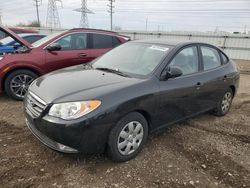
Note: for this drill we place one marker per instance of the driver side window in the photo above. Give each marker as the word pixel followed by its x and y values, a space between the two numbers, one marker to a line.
pixel 76 41
pixel 186 60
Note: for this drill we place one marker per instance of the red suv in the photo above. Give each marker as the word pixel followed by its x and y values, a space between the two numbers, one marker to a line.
pixel 56 51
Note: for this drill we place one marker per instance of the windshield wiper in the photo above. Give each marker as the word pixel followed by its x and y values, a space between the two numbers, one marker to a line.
pixel 116 71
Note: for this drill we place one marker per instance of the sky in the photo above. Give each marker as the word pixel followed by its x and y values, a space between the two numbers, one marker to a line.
pixel 161 15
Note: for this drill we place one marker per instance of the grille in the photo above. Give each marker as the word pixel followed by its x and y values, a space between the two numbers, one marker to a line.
pixel 34 105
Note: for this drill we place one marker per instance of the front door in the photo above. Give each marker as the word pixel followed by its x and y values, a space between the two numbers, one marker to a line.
pixel 74 51
pixel 179 97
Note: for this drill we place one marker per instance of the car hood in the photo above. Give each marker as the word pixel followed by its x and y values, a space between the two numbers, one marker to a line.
pixel 76 83
pixel 15 36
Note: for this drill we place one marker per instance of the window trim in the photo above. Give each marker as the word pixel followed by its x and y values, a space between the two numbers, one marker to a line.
pixel 179 50
pixel 209 46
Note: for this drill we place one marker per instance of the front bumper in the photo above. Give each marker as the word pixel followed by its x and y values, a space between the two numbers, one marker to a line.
pixel 88 135
pixel 48 142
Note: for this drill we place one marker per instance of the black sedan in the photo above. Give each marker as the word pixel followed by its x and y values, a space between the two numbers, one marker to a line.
pixel 113 103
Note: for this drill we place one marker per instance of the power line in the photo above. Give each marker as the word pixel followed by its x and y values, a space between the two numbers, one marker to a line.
pixel 181 11
pixel 84 11
pixel 37 4
pixel 111 12
pixel 53 20
pixel 181 1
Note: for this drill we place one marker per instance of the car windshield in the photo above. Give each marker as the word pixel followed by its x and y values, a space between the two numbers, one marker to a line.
pixel 45 39
pixel 133 58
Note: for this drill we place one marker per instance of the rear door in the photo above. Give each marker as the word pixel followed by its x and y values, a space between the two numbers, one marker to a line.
pixel 179 97
pixel 75 50
pixel 102 43
pixel 213 74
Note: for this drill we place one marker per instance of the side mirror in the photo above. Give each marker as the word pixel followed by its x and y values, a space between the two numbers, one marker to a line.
pixel 171 72
pixel 54 47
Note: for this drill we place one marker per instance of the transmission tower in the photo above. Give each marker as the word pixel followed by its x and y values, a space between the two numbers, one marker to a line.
pixel 84 14
pixel 53 20
pixel 37 3
pixel 111 12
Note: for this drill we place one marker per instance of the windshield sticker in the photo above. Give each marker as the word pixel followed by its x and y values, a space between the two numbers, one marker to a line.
pixel 160 48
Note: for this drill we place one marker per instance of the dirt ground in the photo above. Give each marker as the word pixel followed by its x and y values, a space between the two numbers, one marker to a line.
pixel 206 151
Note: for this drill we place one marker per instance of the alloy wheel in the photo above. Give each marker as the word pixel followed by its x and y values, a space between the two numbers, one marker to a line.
pixel 19 84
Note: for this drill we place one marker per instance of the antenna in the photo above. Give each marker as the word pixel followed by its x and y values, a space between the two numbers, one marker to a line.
pixel 53 20
pixel 84 14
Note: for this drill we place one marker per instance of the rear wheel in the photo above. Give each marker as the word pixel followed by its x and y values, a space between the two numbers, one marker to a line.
pixel 127 138
pixel 224 105
pixel 18 82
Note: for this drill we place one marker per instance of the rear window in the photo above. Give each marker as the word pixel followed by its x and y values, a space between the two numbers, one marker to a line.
pixel 104 41
pixel 32 39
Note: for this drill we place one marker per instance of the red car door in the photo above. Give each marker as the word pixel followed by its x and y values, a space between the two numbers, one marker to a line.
pixel 74 50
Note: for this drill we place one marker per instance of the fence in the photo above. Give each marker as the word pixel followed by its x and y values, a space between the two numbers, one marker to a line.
pixel 237 46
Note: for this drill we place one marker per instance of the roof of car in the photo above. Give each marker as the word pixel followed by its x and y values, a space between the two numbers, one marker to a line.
pixel 101 31
pixel 30 34
pixel 165 42
pixel 95 30
pixel 22 30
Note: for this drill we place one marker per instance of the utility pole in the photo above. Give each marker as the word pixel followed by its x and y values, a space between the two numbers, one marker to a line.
pixel 111 12
pixel 37 4
pixel 84 14
pixel 216 29
pixel 1 17
pixel 245 29
pixel 146 24
pixel 53 20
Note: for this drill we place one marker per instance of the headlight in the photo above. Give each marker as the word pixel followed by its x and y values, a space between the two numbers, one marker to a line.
pixel 73 110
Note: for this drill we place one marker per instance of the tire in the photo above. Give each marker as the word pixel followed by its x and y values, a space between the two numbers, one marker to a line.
pixel 136 128
pixel 19 79
pixel 224 104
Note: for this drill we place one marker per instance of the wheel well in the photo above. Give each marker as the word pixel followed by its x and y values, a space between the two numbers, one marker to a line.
pixel 13 70
pixel 145 114
pixel 147 117
pixel 233 89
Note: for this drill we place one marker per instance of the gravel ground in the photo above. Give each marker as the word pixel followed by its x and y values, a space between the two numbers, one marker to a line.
pixel 205 151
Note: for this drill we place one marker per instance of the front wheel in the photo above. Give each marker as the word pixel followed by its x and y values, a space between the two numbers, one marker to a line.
pixel 17 83
pixel 224 104
pixel 127 138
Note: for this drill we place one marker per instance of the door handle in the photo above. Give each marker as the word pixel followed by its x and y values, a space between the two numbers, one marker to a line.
pixel 82 55
pixel 198 85
pixel 225 78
